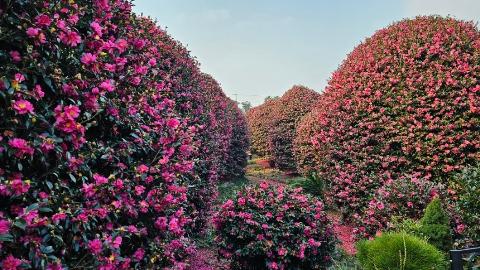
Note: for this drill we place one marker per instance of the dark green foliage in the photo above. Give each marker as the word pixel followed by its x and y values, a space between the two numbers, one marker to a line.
pixel 468 202
pixel 435 226
pixel 313 184
pixel 399 251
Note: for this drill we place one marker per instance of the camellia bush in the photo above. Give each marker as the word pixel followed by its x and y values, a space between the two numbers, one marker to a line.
pixel 407 102
pixel 274 227
pixel 103 119
pixel 259 127
pixel 285 116
pixel 237 157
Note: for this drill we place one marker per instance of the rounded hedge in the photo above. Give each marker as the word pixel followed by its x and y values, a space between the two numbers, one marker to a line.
pixel 102 155
pixel 258 120
pixel 274 227
pixel 407 103
pixel 284 118
pixel 399 251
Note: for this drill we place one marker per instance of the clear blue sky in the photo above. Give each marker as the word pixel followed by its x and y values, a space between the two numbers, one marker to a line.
pixel 259 48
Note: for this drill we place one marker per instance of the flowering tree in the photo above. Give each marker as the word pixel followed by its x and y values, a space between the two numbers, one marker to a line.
pixel 258 120
pixel 405 102
pixel 285 116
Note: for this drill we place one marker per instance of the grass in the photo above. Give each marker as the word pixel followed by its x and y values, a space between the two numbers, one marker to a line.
pixel 227 190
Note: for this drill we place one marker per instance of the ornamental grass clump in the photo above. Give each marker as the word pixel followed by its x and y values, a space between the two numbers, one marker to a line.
pixel 399 251
pixel 274 227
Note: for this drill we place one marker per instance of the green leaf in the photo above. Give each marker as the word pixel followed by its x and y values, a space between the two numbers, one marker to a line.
pixel 45 210
pixel 32 207
pixel 21 223
pixel 6 238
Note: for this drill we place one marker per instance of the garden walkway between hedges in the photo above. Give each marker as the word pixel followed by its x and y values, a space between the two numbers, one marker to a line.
pixel 205 258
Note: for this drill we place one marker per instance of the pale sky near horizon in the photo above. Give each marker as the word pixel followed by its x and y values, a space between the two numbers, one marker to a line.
pixel 261 48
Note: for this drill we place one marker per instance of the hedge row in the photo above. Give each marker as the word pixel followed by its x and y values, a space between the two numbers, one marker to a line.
pixel 106 140
pixel 273 125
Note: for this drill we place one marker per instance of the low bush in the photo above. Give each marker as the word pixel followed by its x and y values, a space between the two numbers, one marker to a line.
pixel 404 197
pixel 435 226
pixel 399 251
pixel 274 227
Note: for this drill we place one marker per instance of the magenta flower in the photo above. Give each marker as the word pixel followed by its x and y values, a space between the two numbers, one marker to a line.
pixel 33 32
pixel 173 123
pixel 96 28
pixel 107 86
pixel 23 106
pixel 88 59
pixel 70 38
pixel 16 56
pixel 95 246
pixel 99 180
pixel 19 187
pixel 138 255
pixel 38 92
pixel 4 226
pixel 21 146
pixel 11 263
pixel 43 20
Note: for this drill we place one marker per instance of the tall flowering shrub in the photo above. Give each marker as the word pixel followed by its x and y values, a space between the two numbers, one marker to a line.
pixel 274 227
pixel 406 103
pixel 286 114
pixel 102 153
pixel 239 143
pixel 258 120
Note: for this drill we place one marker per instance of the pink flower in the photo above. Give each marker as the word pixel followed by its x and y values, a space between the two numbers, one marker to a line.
pixel 117 242
pixel 71 111
pixel 88 190
pixel 23 106
pixel 173 225
pixel 58 216
pixel 107 86
pixel 173 123
pixel 16 57
pixel 70 38
pixel 139 190
pixel 88 59
pixel 138 255
pixel 273 265
pixel 282 251
pixel 95 246
pixel 99 180
pixel 241 201
pixel 43 20
pixel 33 32
pixel 19 77
pixel 4 226
pixel 21 146
pixel 19 187
pixel 161 223
pixel 11 263
pixel 142 169
pixel 38 92
pixel 96 28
